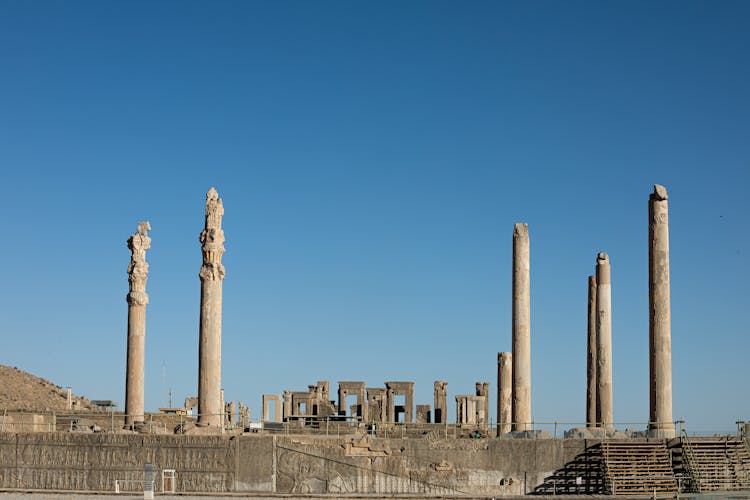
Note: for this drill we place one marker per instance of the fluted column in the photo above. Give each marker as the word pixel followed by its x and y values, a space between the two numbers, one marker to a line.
pixel 137 300
pixel 604 339
pixel 660 318
pixel 211 275
pixel 591 379
pixel 521 329
pixel 504 392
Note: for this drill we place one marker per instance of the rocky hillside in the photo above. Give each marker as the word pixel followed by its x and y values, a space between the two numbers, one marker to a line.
pixel 20 390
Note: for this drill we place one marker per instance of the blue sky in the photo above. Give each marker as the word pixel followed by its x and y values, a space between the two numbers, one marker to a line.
pixel 372 159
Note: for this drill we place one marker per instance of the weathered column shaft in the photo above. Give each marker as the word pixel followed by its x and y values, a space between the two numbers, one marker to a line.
pixel 342 401
pixel 137 300
pixel 288 409
pixel 135 382
pixel 210 404
pixel 209 373
pixel 604 339
pixel 504 392
pixel 521 329
pixel 660 318
pixel 591 365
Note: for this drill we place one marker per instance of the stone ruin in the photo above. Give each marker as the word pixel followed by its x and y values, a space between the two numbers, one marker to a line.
pixel 375 404
pixel 394 403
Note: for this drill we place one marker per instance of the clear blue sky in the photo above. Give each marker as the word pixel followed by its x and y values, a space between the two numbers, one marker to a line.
pixel 372 159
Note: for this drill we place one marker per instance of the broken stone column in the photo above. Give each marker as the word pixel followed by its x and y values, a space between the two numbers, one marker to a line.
pixel 288 408
pixel 591 399
pixel 504 392
pixel 137 300
pixel 440 399
pixel 211 276
pixel 229 410
pixel 660 317
pixel 482 390
pixel 521 329
pixel 604 340
pixel 423 414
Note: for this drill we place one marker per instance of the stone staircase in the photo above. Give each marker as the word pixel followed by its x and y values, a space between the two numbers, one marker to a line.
pixel 637 467
pixel 716 464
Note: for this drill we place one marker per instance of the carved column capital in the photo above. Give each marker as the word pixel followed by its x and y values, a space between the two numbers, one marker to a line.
pixel 212 239
pixel 138 268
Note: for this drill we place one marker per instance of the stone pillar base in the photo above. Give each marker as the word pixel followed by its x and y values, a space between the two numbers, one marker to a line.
pixel 661 433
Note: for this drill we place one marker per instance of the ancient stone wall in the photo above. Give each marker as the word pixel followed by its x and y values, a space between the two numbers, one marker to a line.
pixel 285 464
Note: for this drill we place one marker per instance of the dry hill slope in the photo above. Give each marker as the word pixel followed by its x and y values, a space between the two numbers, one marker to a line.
pixel 20 390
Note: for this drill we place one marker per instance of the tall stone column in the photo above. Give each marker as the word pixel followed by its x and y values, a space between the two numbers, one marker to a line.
pixel 504 392
pixel 604 340
pixel 521 329
pixel 211 275
pixel 591 378
pixel 660 317
pixel 137 300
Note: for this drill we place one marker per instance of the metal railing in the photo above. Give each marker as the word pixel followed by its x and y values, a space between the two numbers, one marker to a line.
pixel 168 423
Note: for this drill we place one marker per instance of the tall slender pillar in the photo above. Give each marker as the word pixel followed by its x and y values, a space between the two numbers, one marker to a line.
pixel 521 329
pixel 211 275
pixel 604 340
pixel 591 398
pixel 660 317
pixel 137 300
pixel 504 392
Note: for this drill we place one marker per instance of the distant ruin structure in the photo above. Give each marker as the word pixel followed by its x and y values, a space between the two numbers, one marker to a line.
pixel 137 300
pixel 405 389
pixel 230 410
pixel 357 389
pixel 211 275
pixel 311 403
pixel 592 413
pixel 424 414
pixel 440 401
pixel 660 316
pixel 604 340
pixel 504 392
pixel 472 409
pixel 377 404
pixel 521 329
pixel 482 390
pixel 270 400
